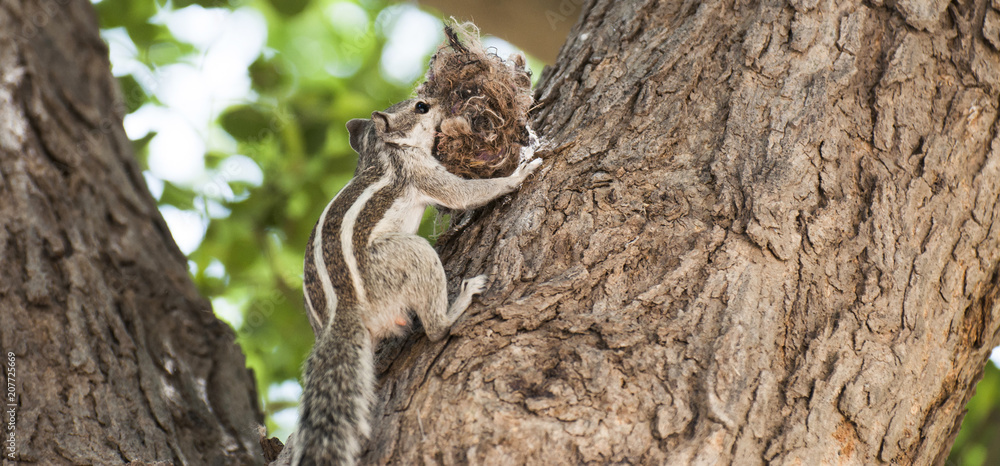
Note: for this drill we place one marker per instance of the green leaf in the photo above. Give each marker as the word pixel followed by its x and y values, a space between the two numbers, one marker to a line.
pixel 178 197
pixel 267 75
pixel 178 4
pixel 213 158
pixel 139 148
pixel 167 52
pixel 124 13
pixel 145 35
pixel 246 123
pixel 132 93
pixel 289 8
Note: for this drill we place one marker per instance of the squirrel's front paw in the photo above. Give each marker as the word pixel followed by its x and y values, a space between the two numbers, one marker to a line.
pixel 527 168
pixel 473 286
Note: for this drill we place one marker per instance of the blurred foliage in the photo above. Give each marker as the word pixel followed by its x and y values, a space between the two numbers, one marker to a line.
pixel 292 127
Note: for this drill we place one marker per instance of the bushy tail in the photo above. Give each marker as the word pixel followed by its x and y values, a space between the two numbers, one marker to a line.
pixel 334 413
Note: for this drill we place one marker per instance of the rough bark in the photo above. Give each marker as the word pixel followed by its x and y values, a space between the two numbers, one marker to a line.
pixel 764 232
pixel 118 358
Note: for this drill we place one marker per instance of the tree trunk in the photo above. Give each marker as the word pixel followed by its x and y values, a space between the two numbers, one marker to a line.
pixel 110 354
pixel 763 233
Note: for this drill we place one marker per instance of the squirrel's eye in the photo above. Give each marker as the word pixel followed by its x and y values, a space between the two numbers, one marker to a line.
pixel 422 107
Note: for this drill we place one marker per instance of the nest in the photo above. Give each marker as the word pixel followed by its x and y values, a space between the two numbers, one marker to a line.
pixel 486 101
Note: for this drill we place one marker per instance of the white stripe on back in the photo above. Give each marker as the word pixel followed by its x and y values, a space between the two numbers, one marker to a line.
pixel 347 234
pixel 322 271
pixel 313 318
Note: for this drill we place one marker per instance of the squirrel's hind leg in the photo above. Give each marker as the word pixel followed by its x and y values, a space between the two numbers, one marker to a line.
pixel 410 277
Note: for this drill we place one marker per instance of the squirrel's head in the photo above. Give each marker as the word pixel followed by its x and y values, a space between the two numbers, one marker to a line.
pixel 409 124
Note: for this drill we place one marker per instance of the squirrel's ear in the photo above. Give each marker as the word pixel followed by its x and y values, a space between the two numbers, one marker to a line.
pixel 381 121
pixel 357 128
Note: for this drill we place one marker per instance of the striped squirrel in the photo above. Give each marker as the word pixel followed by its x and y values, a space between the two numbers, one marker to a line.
pixel 366 269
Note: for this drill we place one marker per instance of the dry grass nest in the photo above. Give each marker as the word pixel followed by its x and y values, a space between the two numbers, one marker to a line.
pixel 486 101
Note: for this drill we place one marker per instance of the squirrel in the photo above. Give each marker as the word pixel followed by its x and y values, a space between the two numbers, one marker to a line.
pixel 366 269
